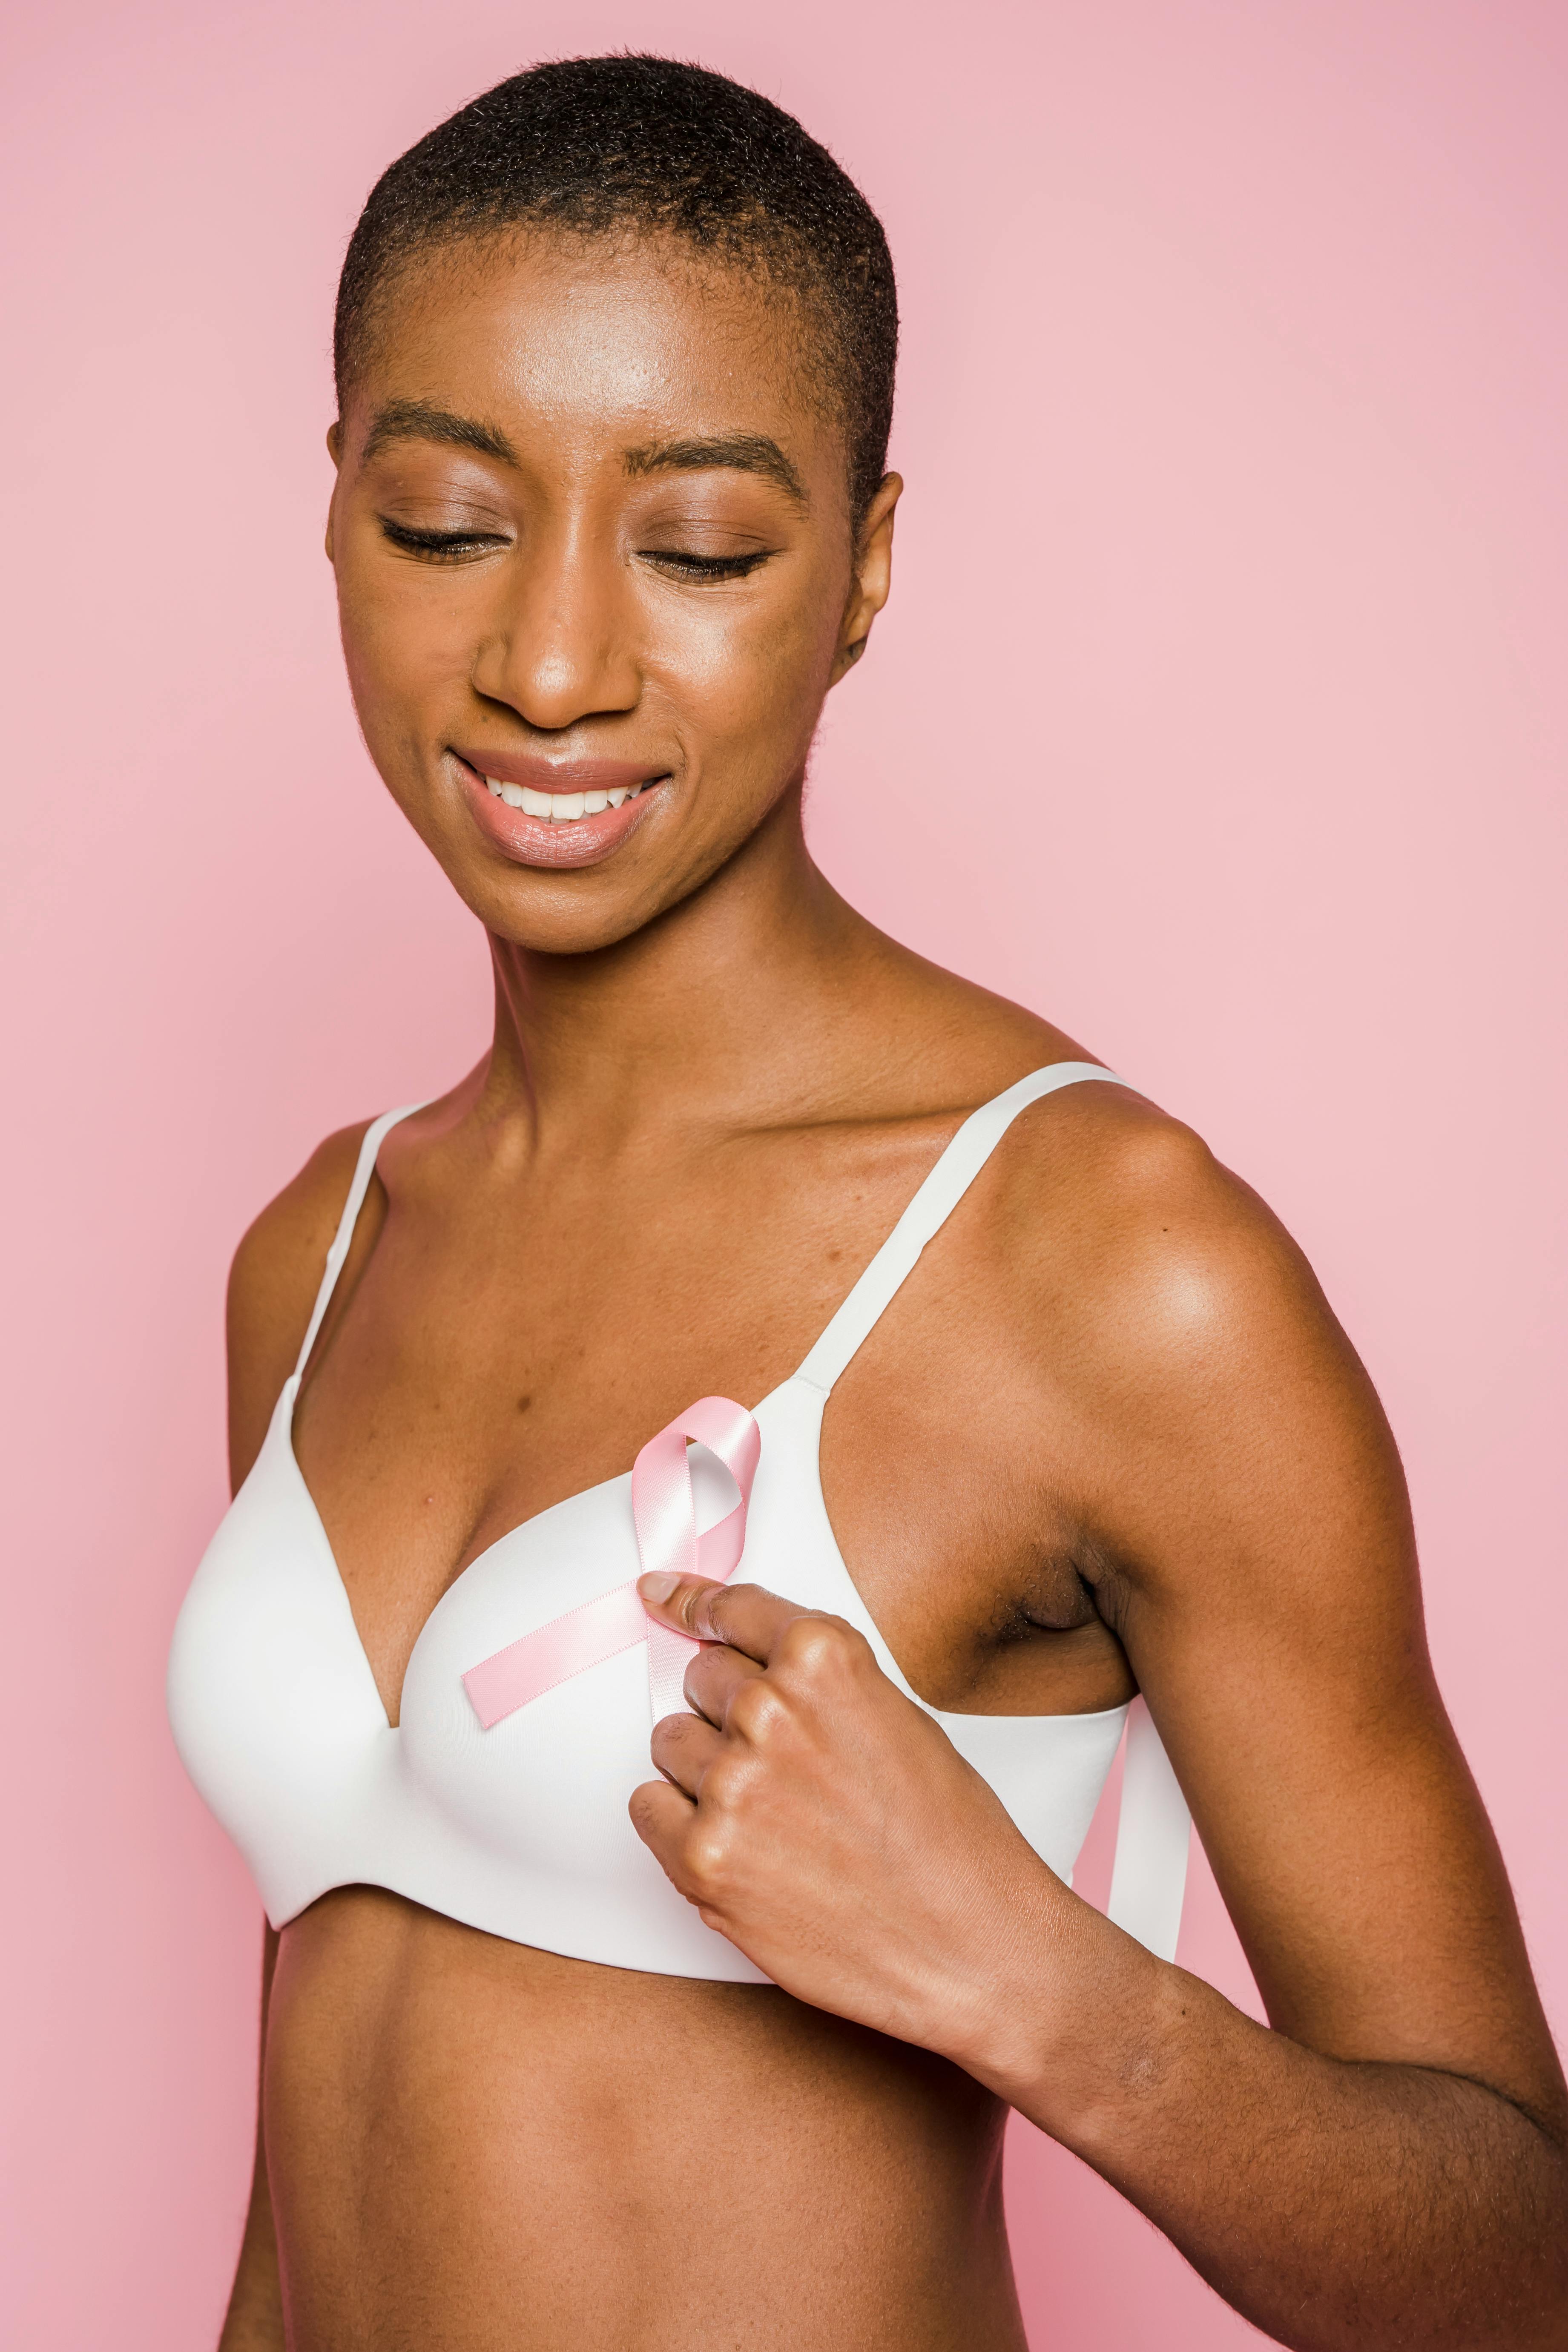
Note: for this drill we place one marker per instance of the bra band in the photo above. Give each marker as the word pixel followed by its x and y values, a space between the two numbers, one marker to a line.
pixel 1153 1841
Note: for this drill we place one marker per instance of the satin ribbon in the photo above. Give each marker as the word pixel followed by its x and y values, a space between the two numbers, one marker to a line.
pixel 664 1514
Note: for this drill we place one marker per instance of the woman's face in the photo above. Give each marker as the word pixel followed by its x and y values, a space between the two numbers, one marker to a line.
pixel 592 547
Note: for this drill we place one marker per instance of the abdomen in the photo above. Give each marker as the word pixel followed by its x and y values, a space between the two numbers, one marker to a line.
pixel 474 2144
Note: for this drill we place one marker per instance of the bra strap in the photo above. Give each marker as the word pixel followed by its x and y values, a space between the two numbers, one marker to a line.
pixel 939 1194
pixel 364 1169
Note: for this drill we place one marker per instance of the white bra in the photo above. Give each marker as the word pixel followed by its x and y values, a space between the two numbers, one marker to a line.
pixel 522 1829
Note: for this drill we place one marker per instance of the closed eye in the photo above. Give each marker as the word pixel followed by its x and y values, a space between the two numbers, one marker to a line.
pixel 439 546
pixel 682 566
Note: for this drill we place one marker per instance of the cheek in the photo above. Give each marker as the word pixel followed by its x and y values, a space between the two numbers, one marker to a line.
pixel 757 670
pixel 403 647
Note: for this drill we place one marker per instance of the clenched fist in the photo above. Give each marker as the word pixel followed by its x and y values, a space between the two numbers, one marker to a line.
pixel 829 1828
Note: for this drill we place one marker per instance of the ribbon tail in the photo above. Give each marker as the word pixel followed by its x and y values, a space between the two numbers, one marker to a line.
pixel 668 1656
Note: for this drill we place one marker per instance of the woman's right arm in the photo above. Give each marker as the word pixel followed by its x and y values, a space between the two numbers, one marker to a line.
pixel 255 2320
pixel 272 1288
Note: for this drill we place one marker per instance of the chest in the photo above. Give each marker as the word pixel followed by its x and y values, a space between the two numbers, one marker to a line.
pixel 493 1352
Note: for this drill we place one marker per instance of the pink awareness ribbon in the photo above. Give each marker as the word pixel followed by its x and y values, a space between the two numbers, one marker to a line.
pixel 664 1513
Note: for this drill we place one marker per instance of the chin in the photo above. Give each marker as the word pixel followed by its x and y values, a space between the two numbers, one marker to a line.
pixel 562 914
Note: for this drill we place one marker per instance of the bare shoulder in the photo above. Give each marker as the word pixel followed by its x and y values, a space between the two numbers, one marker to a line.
pixel 1189 1334
pixel 1101 1186
pixel 1113 1238
pixel 272 1286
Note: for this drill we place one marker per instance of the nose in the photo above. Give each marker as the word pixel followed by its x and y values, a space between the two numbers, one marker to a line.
pixel 560 647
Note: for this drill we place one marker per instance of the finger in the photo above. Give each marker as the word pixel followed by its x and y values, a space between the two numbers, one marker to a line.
pixel 661 1817
pixel 714 1676
pixel 745 1616
pixel 683 1746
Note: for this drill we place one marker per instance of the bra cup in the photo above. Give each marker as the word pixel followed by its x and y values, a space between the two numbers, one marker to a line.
pixel 272 1705
pixel 582 1746
pixel 540 1800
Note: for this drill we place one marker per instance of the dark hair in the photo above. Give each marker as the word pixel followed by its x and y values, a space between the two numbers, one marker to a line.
pixel 595 145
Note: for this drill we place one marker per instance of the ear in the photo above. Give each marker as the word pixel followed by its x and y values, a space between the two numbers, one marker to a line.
pixel 873 576
pixel 335 452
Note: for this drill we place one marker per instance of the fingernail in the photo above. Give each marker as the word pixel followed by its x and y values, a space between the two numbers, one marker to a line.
pixel 658 1586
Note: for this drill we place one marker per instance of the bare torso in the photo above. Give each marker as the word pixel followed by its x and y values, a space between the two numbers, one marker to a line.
pixel 474 2143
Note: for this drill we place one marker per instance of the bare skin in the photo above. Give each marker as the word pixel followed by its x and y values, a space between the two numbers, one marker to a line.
pixel 711 1089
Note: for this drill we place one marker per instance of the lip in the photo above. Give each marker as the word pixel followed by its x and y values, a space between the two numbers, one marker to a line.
pixel 533 841
pixel 558 776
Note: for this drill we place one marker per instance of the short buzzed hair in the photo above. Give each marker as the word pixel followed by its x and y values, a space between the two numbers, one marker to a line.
pixel 596 145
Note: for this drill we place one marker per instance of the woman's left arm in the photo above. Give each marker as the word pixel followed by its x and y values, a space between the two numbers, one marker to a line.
pixel 1387 2166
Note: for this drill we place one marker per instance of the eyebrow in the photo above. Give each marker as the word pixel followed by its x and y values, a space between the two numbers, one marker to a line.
pixel 419 420
pixel 741 453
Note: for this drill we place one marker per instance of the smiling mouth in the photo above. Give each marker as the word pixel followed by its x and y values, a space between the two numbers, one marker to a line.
pixel 562 808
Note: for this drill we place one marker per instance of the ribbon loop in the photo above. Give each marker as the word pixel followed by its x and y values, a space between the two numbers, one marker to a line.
pixel 664 1515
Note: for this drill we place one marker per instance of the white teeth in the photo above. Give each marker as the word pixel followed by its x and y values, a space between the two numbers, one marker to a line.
pixel 561 808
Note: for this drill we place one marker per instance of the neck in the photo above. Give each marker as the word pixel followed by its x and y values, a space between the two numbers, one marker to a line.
pixel 725 1010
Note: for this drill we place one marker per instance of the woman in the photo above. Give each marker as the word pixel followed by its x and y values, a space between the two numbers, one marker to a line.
pixel 562 2049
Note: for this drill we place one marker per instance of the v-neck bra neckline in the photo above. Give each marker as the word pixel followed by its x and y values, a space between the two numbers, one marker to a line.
pixel 285 1411
pixel 943 1185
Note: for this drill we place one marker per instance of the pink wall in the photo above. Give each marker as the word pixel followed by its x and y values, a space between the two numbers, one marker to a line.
pixel 1234 556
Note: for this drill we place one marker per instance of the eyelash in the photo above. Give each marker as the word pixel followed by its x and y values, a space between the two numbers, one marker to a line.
pixel 706 567
pixel 453 546
pixel 439 546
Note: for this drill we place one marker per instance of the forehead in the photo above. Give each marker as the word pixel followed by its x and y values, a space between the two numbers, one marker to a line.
pixel 589 339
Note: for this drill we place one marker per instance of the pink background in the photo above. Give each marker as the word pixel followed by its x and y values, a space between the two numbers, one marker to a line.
pixel 1232 562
